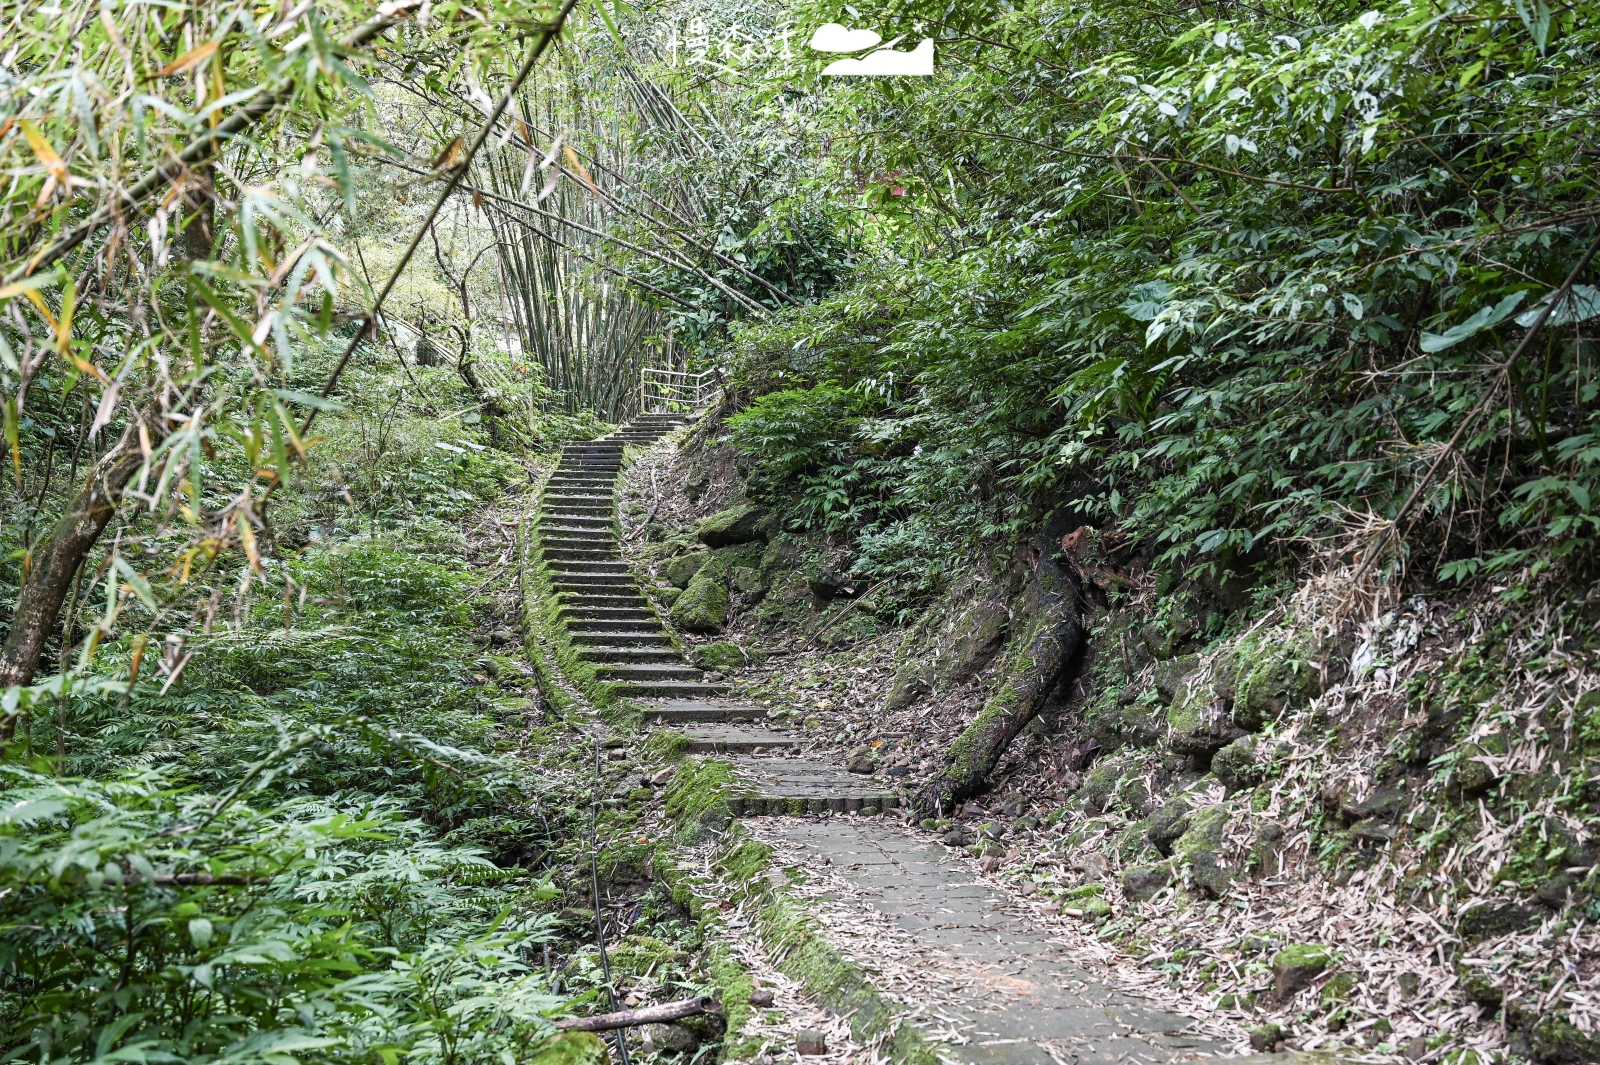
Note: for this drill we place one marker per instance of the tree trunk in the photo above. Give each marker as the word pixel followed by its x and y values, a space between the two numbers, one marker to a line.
pixel 54 562
pixel 1048 650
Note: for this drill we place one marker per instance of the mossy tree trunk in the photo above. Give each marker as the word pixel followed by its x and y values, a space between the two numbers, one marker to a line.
pixel 1047 648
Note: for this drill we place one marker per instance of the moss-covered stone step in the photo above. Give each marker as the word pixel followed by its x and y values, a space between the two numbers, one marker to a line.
pixel 648 671
pixel 688 711
pixel 565 567
pixel 735 739
pixel 666 689
pixel 633 638
pixel 662 652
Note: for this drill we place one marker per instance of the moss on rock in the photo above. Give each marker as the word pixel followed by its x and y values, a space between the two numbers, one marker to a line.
pixel 703 606
pixel 723 656
pixel 736 525
pixel 681 570
pixel 1297 965
pixel 1201 847
pixel 697 799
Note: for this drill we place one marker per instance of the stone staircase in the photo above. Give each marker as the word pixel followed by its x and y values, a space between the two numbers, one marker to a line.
pixel 614 628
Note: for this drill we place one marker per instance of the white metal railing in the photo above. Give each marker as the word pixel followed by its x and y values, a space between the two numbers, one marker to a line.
pixel 671 391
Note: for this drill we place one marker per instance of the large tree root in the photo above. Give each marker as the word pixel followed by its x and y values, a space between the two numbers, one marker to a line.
pixel 1045 653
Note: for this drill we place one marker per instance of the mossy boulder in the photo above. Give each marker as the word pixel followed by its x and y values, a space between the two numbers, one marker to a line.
pixel 1167 825
pixel 1277 682
pixel 1171 675
pixel 571 1048
pixel 747 579
pixel 1140 882
pixel 1236 765
pixel 1198 724
pixel 703 606
pixel 724 657
pixel 1553 1040
pixel 736 525
pixel 681 570
pixel 1201 847
pixel 1101 785
pixel 1296 965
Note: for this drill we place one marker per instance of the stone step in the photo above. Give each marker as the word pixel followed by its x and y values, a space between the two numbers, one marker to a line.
pixel 800 786
pixel 647 671
pixel 579 505
pixel 622 637
pixel 666 689
pixel 621 599
pixel 595 584
pixel 566 567
pixel 736 739
pixel 586 493
pixel 581 478
pixel 663 652
pixel 574 524
pixel 685 711
pixel 580 538
pixel 579 554
pixel 606 613
pixel 578 626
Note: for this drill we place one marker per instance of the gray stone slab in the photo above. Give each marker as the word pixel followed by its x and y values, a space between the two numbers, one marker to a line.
pixel 1021 996
pixel 735 739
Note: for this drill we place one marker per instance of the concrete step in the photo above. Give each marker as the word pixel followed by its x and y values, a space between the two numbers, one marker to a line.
pixel 563 568
pixel 736 739
pixel 629 655
pixel 579 554
pixel 576 626
pixel 622 637
pixel 648 671
pixel 595 585
pixel 799 786
pixel 578 523
pixel 578 538
pixel 666 689
pixel 635 618
pixel 577 510
pixel 685 711
pixel 620 599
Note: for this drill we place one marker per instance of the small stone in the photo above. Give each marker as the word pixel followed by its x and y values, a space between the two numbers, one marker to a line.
pixel 1026 888
pixel 1496 919
pixel 671 1038
pixel 1297 965
pixel 989 864
pixel 662 776
pixel 869 811
pixel 955 838
pixel 809 1041
pixel 761 996
pixel 1266 1038
pixel 929 824
pixel 1417 1049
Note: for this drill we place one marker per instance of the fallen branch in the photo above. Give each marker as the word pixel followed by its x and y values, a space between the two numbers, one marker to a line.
pixel 667 1011
pixel 841 615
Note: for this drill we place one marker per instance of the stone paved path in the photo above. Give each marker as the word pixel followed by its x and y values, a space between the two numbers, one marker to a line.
pixel 1004 982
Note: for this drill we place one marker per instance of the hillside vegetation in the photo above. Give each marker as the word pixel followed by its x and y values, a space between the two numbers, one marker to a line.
pixel 1163 439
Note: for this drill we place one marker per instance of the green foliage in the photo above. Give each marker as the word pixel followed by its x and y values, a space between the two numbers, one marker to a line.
pixel 149 922
pixel 1227 283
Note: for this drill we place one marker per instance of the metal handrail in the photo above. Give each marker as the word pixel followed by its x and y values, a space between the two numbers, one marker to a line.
pixel 669 391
